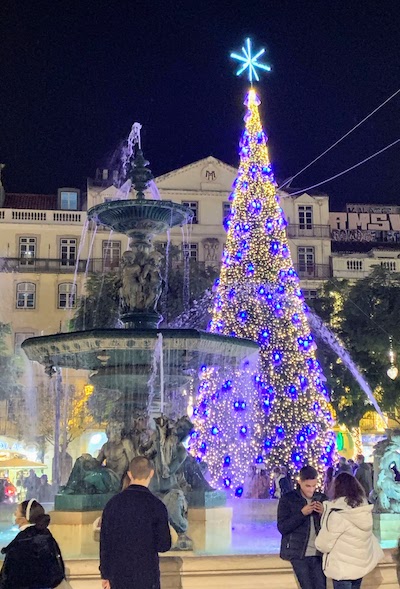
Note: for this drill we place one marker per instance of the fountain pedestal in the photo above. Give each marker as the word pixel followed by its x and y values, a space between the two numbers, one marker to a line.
pixel 386 528
pixel 73 531
pixel 210 528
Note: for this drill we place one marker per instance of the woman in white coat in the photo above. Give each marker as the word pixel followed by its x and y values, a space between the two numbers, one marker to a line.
pixel 350 549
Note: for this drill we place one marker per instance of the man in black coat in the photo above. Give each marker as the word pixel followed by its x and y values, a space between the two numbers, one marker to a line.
pixel 299 514
pixel 134 529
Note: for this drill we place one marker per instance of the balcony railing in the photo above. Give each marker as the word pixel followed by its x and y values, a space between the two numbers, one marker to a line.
pixel 319 231
pixel 98 265
pixel 36 216
pixel 56 266
pixel 313 271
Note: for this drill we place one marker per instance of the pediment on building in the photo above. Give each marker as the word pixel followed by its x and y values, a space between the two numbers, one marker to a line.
pixel 209 174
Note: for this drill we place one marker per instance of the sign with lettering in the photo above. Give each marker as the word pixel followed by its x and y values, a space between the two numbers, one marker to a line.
pixel 368 208
pixel 365 226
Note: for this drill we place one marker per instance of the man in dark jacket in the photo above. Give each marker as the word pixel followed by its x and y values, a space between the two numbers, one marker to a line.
pixel 299 514
pixel 134 529
pixel 364 474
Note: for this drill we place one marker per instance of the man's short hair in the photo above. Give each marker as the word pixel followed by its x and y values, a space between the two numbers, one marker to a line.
pixel 308 473
pixel 140 468
pixel 361 457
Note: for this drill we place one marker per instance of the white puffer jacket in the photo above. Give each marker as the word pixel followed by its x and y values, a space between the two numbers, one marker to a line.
pixel 350 549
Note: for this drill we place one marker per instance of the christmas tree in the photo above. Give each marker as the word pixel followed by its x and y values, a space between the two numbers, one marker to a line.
pixel 229 421
pixel 258 297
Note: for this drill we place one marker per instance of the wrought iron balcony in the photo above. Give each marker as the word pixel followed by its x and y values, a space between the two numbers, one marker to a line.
pixel 57 266
pixel 318 231
pixel 313 271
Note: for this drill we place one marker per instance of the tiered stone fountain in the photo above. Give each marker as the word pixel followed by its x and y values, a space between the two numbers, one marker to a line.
pixel 122 360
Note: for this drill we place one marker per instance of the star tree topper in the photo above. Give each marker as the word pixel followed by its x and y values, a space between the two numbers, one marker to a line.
pixel 250 62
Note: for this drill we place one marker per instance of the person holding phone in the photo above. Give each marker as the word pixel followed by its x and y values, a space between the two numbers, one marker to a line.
pixel 299 514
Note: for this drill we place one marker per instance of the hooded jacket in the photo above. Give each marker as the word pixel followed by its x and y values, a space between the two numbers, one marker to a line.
pixel 350 548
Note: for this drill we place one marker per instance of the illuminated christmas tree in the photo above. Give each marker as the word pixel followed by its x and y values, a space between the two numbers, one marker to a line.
pixel 258 297
pixel 229 422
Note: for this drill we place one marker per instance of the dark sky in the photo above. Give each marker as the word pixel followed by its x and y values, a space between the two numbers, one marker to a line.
pixel 75 75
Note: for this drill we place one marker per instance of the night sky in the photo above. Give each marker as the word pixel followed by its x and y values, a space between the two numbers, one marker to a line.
pixel 75 75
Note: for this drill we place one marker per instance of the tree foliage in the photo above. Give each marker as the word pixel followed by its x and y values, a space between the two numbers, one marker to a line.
pixel 363 316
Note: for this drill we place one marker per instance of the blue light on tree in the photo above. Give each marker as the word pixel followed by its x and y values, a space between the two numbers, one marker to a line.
pixel 250 62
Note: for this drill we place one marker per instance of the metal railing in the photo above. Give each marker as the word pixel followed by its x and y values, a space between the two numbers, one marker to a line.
pixel 313 271
pixel 319 231
pixel 98 265
pixel 56 266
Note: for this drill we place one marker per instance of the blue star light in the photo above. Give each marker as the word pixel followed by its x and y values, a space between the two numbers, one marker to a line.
pixel 250 62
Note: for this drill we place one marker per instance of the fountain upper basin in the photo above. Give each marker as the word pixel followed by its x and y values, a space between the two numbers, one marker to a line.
pixel 123 358
pixel 149 216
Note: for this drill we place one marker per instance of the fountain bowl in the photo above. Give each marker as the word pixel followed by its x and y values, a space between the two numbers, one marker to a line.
pixel 140 215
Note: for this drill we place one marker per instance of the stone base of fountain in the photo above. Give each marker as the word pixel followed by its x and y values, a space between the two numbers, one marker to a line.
pixel 73 531
pixel 210 528
pixel 206 499
pixel 81 502
pixel 386 527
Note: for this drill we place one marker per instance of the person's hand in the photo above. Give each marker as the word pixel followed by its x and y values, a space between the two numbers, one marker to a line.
pixel 105 583
pixel 308 509
pixel 318 507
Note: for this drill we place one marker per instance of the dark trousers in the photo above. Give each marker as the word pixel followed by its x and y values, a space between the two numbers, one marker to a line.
pixel 308 571
pixel 347 584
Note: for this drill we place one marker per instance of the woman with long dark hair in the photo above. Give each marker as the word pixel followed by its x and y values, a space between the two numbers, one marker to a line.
pixel 33 559
pixel 350 549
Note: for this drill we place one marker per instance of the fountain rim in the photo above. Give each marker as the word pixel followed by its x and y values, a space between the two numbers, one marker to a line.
pixel 131 203
pixel 166 332
pixel 56 349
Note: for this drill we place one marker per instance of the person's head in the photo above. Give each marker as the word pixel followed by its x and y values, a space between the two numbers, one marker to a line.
pixel 308 480
pixel 276 470
pixel 360 459
pixel 342 460
pixel 31 512
pixel 347 486
pixel 284 470
pixel 329 473
pixel 43 479
pixel 141 471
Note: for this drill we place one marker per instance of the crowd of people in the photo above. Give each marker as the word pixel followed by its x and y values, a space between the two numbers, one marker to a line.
pixel 32 486
pixel 325 534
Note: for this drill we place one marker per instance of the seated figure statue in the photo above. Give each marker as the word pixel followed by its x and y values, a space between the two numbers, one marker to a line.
pixel 117 452
pixel 88 477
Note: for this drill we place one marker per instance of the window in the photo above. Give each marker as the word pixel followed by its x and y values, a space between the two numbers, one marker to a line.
pixel 26 295
pixel 111 254
pixel 305 217
pixel 20 337
pixel 67 295
pixel 193 206
pixel 27 251
pixel 69 200
pixel 306 260
pixel 389 265
pixel 190 250
pixel 355 265
pixel 68 252
pixel 226 210
pixel 309 294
